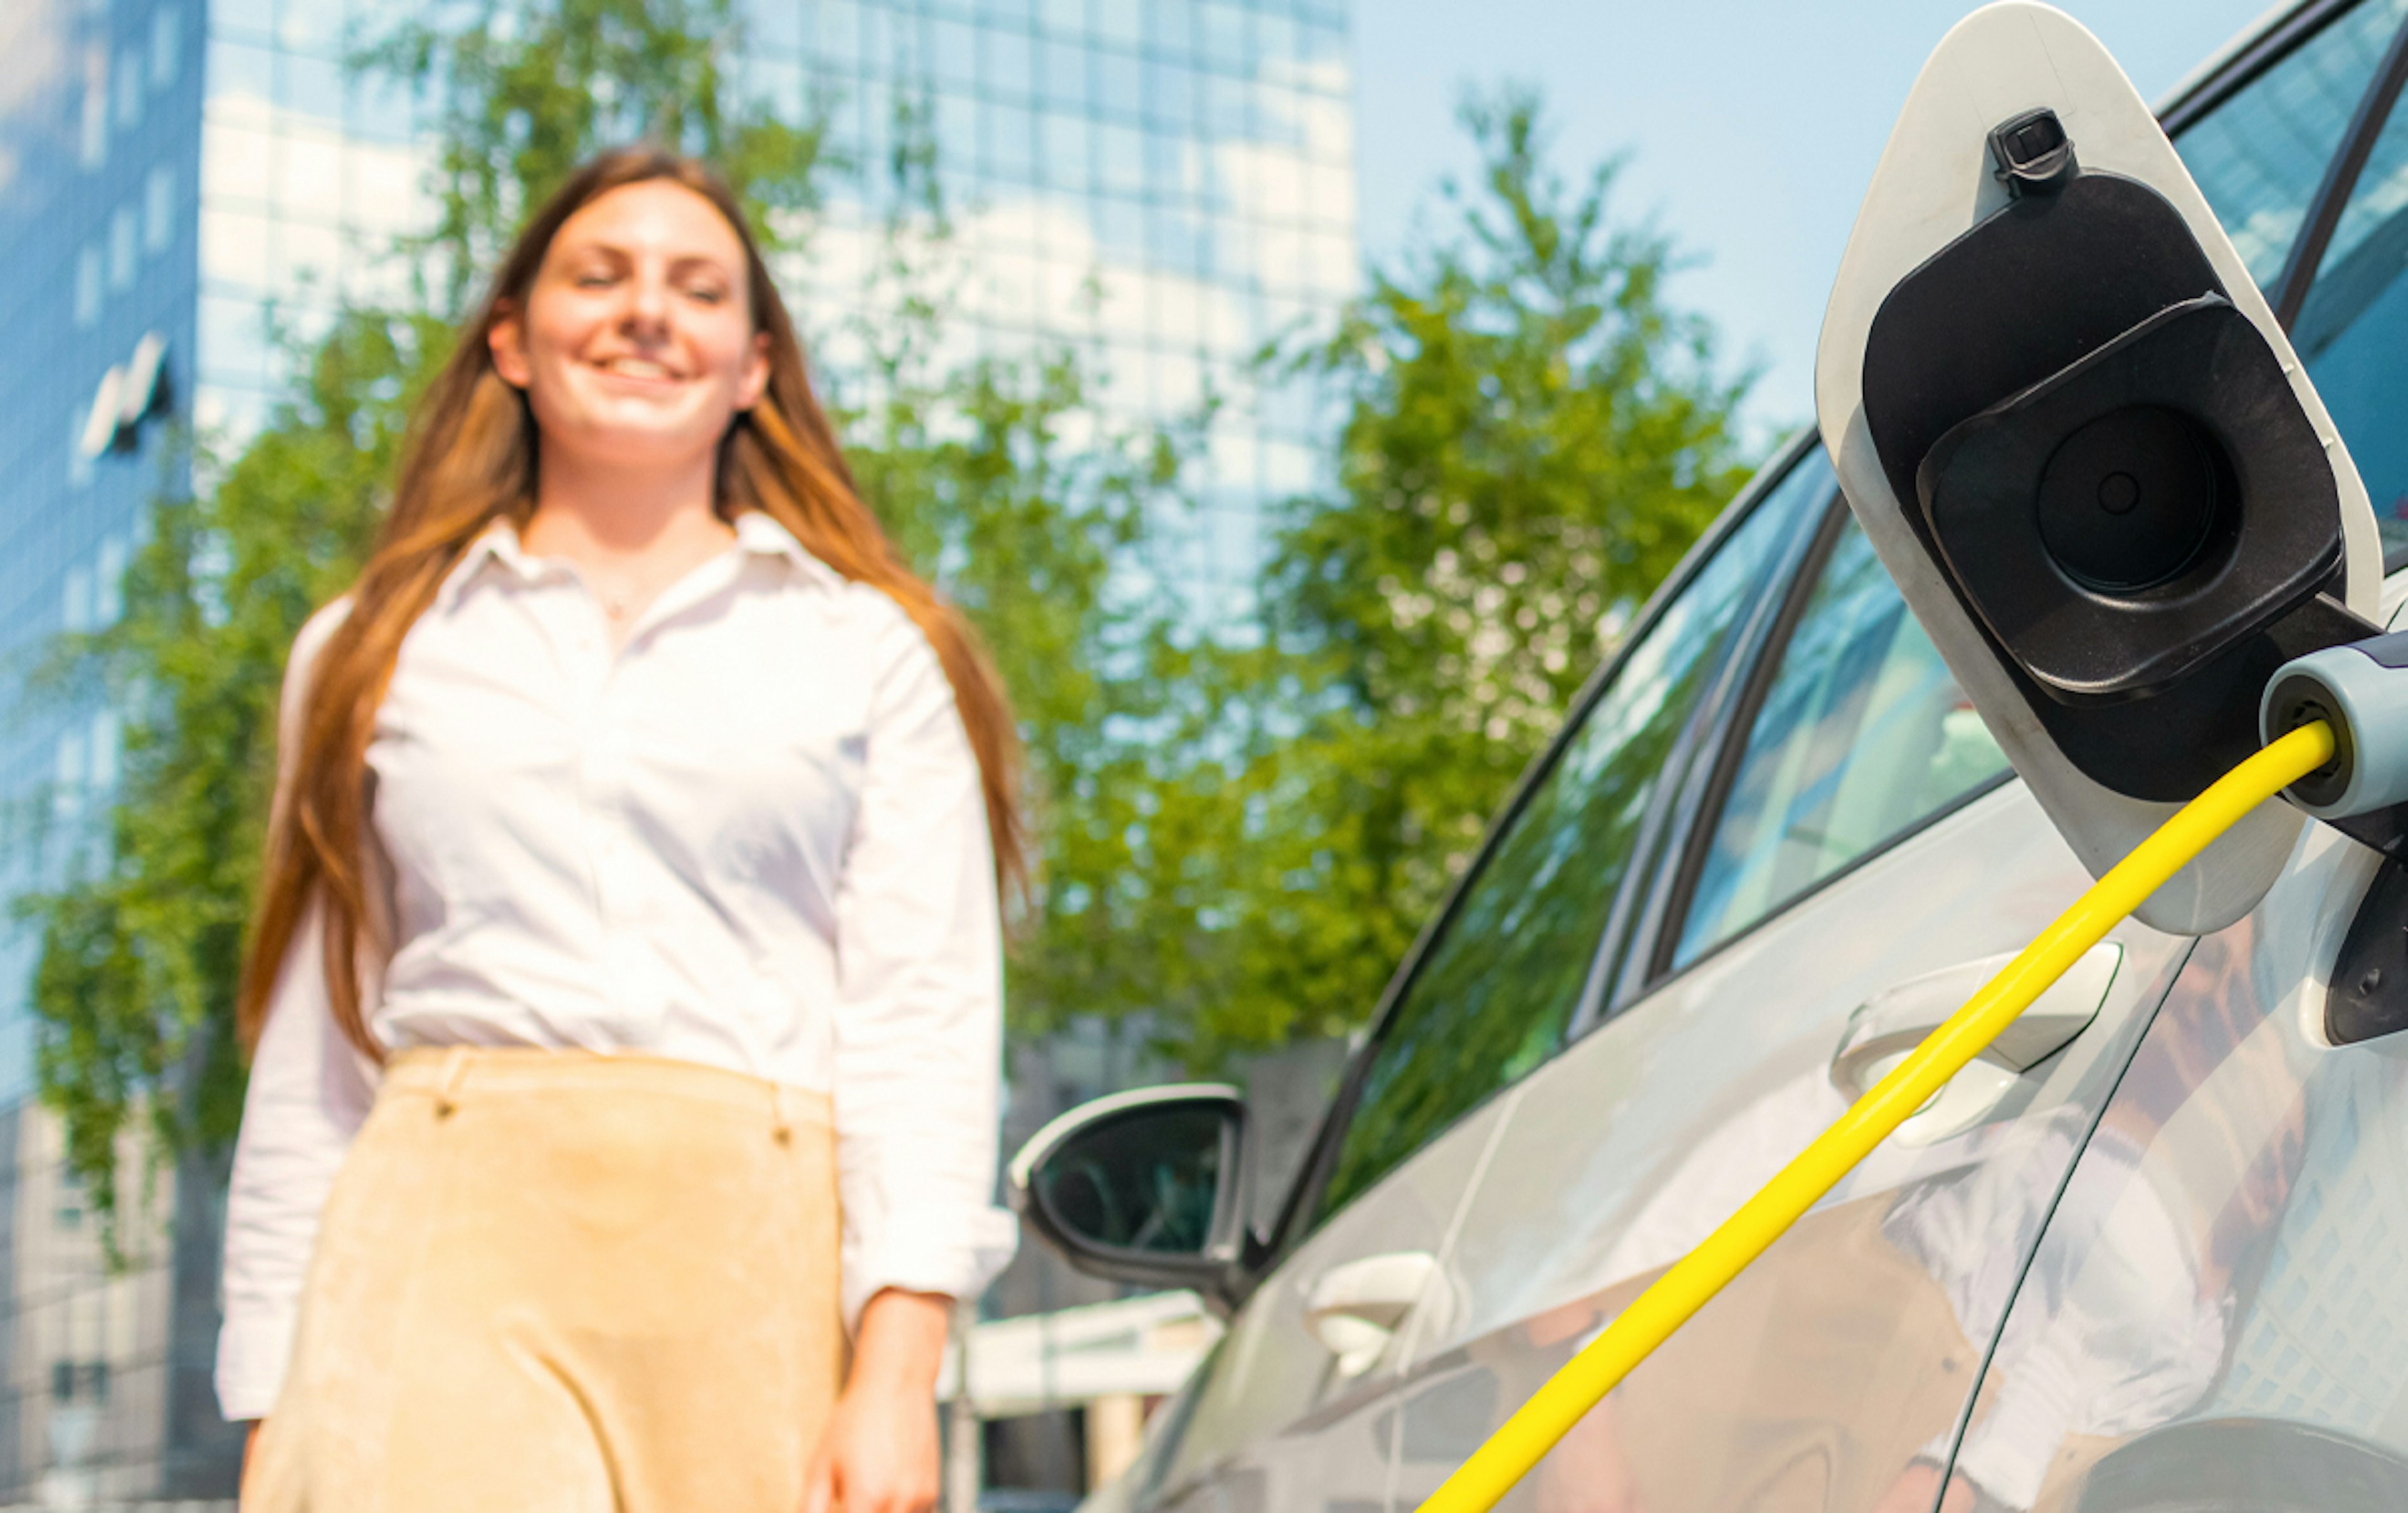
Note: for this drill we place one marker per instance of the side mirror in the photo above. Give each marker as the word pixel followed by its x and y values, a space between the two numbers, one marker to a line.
pixel 1146 1187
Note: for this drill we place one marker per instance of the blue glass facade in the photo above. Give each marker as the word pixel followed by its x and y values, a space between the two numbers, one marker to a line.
pixel 99 183
pixel 99 169
pixel 1158 184
pixel 1165 183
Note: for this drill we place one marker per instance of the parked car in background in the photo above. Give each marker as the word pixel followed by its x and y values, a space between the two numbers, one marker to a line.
pixel 2147 1255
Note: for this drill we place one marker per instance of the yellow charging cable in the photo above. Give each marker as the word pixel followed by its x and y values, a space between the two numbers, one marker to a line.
pixel 1694 1280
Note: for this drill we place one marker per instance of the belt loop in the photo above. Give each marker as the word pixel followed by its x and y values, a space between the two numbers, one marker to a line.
pixel 783 1130
pixel 447 1093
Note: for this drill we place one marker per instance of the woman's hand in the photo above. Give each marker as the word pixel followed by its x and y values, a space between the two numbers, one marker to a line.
pixel 880 1452
pixel 250 1452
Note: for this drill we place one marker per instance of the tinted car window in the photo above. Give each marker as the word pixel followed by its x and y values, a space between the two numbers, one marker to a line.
pixel 1861 736
pixel 2352 329
pixel 2261 153
pixel 1491 998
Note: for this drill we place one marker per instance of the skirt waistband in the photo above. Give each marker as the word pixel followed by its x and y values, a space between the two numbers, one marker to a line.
pixel 448 1072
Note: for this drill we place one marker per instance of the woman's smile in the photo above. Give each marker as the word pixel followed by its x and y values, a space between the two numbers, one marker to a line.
pixel 640 370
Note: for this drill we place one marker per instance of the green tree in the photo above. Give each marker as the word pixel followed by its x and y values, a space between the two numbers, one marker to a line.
pixel 141 945
pixel 1000 479
pixel 1008 486
pixel 1532 435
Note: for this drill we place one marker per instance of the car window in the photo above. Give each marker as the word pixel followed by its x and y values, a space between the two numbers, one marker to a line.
pixel 1494 992
pixel 1861 736
pixel 2259 155
pixel 2352 331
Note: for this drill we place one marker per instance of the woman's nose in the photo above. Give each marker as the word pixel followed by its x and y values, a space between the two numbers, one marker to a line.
pixel 648 304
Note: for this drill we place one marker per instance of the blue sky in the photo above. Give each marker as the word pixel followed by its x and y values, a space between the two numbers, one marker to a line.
pixel 1716 102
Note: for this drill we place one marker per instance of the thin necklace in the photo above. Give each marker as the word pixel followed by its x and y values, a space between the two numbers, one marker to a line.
pixel 616 602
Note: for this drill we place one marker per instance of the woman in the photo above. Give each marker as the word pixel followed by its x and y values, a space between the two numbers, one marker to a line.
pixel 628 935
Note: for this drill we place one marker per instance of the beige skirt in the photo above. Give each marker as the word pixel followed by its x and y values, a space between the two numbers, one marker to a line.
pixel 558 1282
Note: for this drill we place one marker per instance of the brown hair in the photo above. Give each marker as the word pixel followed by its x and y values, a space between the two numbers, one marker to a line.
pixel 470 458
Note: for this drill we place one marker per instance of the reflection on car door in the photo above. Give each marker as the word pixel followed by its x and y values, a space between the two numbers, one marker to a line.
pixel 1292 1410
pixel 1824 919
pixel 2214 1319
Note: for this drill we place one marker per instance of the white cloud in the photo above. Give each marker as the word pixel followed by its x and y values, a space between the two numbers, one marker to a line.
pixel 290 202
pixel 999 294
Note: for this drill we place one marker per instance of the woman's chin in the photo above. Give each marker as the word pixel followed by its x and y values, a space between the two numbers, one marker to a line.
pixel 638 443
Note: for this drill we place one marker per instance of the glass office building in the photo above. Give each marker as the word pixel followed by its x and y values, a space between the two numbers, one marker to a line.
pixel 1160 184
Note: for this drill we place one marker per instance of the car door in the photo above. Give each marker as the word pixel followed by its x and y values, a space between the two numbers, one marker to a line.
pixel 1857 863
pixel 2212 1321
pixel 1292 1410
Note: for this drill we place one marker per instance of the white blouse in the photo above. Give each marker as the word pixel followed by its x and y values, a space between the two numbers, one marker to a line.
pixel 753 838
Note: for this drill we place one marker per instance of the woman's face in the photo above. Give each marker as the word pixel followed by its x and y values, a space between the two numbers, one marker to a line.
pixel 636 345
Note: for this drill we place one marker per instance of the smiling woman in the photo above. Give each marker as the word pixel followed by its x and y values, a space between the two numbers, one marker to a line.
pixel 624 984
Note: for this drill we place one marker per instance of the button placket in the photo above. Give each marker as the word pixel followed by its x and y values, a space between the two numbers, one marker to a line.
pixel 631 979
pixel 601 787
pixel 624 866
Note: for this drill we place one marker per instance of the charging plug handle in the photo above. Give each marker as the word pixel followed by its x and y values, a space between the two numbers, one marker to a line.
pixel 2362 690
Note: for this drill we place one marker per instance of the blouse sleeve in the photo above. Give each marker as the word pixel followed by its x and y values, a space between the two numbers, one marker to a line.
pixel 310 1092
pixel 918 1028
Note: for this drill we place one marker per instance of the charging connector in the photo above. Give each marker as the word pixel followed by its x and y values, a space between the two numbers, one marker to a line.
pixel 2362 690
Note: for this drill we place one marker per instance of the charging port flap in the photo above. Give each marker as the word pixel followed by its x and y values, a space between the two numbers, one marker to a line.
pixel 2081 443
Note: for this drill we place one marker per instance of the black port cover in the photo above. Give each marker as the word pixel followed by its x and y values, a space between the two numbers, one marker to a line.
pixel 2028 292
pixel 2129 518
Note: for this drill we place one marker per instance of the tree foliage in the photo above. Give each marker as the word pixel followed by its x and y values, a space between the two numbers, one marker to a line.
pixel 140 951
pixel 1008 486
pixel 1531 437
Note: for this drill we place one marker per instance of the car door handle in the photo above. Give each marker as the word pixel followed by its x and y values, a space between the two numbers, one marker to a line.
pixel 1355 1307
pixel 1887 1027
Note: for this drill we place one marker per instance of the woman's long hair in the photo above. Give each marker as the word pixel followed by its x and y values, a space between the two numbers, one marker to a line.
pixel 470 458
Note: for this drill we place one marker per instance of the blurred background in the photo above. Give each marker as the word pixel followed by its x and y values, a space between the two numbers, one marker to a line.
pixel 1301 397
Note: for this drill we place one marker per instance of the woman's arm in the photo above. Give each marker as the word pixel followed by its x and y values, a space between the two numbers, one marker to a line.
pixel 918 1075
pixel 308 1094
pixel 919 1013
pixel 880 1452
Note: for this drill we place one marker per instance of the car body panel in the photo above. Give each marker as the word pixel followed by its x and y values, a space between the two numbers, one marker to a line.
pixel 1849 1346
pixel 1275 1421
pixel 2230 1245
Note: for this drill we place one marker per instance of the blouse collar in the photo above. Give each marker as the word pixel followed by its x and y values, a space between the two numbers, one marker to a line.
pixel 497 547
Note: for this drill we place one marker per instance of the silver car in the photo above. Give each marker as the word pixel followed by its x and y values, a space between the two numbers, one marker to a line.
pixel 2149 1254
